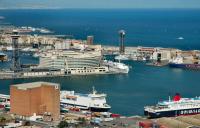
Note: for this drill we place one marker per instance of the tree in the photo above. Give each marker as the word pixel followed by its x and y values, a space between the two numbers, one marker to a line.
pixel 2 121
pixel 63 124
pixel 82 120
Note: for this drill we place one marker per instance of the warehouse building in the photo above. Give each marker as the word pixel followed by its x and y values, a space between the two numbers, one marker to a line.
pixel 37 98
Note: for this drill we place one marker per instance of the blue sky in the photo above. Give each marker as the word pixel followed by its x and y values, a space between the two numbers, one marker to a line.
pixel 4 4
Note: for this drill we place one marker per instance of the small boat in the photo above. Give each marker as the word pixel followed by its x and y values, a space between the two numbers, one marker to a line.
pixel 180 38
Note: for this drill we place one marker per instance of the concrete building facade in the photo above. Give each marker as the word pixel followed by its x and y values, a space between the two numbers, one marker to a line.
pixel 37 98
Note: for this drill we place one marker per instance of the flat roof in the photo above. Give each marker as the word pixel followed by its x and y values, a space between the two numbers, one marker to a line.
pixel 26 86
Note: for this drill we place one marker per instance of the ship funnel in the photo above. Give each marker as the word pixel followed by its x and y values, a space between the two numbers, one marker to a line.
pixel 177 97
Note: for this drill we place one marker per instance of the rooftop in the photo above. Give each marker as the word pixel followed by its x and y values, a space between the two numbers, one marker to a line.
pixel 26 86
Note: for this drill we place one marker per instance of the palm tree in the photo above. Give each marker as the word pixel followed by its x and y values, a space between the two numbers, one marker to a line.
pixel 63 124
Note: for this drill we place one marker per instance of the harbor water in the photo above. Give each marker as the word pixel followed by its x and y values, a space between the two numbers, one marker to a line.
pixel 144 85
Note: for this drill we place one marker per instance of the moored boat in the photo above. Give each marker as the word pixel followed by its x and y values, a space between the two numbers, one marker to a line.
pixel 93 101
pixel 179 62
pixel 172 108
pixel 116 66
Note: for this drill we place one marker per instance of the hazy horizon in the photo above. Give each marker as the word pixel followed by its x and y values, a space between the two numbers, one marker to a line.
pixel 96 4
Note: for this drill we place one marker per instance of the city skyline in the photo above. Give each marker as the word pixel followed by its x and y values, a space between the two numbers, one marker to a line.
pixel 61 4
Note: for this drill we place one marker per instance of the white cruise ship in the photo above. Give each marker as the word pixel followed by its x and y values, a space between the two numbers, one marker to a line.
pixel 116 66
pixel 93 101
pixel 176 107
pixel 73 62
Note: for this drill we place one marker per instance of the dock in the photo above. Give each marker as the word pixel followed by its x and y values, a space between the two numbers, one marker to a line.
pixel 181 122
pixel 10 75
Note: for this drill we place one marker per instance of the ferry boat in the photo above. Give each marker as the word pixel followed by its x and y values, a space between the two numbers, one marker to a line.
pixel 179 62
pixel 172 108
pixel 116 66
pixel 93 101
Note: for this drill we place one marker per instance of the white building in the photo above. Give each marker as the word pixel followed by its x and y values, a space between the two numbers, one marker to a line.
pixel 161 55
pixel 59 45
pixel 73 62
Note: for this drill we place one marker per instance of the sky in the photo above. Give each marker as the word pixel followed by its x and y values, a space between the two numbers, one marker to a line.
pixel 37 4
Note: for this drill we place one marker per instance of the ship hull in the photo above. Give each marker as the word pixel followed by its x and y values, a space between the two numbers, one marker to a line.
pixel 112 69
pixel 173 113
pixel 94 109
pixel 186 66
pixel 82 107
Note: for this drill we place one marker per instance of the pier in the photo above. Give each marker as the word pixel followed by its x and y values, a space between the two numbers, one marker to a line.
pixel 20 75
